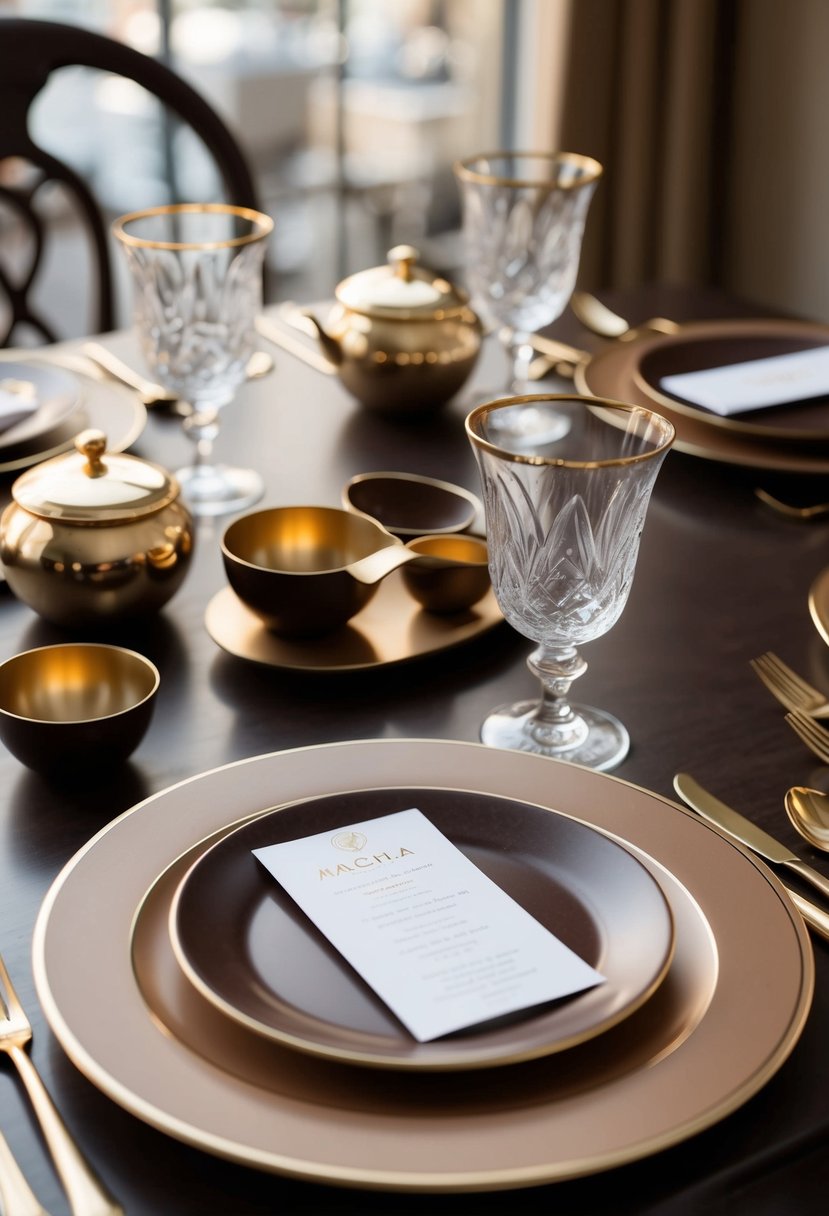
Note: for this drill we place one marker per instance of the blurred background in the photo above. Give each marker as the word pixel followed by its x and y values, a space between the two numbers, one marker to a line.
pixel 707 114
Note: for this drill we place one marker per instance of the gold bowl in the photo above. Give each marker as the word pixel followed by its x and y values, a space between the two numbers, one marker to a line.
pixel 307 570
pixel 411 505
pixel 75 707
pixel 451 572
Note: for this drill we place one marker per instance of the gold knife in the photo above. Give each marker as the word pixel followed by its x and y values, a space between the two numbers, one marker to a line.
pixel 745 831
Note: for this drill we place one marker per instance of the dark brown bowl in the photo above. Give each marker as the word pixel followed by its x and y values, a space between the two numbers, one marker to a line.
pixel 453 574
pixel 76 707
pixel 409 505
pixel 289 566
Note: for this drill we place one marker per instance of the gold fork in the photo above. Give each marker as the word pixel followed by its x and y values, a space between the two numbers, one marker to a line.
pixel 86 1193
pixel 812 733
pixel 790 689
pixel 16 1197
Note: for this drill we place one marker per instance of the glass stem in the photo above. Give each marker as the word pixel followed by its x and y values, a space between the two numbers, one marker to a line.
pixel 202 426
pixel 555 723
pixel 521 354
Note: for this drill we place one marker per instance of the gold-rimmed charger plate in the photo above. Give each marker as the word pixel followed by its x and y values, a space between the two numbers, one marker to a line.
pixel 105 405
pixel 731 1008
pixel 251 951
pixel 819 604
pixel 390 629
pixel 611 373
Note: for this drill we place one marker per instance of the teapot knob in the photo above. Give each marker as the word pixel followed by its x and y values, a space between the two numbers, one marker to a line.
pixel 92 444
pixel 403 257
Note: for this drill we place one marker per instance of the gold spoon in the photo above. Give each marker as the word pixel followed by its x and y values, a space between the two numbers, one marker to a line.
pixel 808 810
pixel 601 320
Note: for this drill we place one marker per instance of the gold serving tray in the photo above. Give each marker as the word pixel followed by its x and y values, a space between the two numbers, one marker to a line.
pixel 390 629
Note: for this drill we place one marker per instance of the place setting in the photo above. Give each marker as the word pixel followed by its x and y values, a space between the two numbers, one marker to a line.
pixel 429 965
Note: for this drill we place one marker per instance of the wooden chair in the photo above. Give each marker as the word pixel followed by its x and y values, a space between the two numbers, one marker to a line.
pixel 29 52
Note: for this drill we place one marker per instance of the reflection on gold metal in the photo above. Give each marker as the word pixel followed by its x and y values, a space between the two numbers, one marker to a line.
pixel 392 628
pixel 88 539
pixel 84 1189
pixel 403 340
pixel 451 575
pixel 297 567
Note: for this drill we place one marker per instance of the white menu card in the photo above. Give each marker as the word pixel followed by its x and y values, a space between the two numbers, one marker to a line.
pixel 437 940
pixel 756 384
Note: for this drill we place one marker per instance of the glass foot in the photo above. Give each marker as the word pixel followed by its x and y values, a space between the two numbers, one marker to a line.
pixel 605 744
pixel 219 489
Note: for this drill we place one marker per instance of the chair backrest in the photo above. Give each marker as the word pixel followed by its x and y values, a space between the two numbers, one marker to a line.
pixel 30 51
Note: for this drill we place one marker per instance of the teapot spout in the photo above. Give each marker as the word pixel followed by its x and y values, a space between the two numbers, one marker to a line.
pixel 330 346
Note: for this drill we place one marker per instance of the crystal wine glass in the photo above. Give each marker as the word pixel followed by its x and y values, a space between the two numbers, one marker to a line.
pixel 563 524
pixel 523 221
pixel 197 275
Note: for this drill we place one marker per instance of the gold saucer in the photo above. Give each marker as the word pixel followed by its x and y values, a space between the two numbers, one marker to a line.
pixel 392 628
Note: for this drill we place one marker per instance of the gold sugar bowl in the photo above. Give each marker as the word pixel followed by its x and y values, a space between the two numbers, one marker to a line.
pixel 404 340
pixel 93 536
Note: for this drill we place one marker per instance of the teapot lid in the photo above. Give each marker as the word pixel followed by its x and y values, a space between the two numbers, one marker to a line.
pixel 401 290
pixel 91 486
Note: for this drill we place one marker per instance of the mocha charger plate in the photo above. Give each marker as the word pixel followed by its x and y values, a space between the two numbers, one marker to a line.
pixel 614 371
pixel 724 1020
pixel 251 951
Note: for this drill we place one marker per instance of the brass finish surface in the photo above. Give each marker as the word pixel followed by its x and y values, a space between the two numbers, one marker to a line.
pixel 396 355
pixel 819 604
pixel 69 706
pixel 290 565
pixel 86 1193
pixel 788 687
pixel 808 811
pixel 453 573
pixel 94 537
pixel 810 732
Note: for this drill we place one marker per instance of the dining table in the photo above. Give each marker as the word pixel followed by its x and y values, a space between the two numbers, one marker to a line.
pixel 721 578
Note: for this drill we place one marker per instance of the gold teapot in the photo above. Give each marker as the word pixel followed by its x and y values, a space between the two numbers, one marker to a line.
pixel 403 339
pixel 93 536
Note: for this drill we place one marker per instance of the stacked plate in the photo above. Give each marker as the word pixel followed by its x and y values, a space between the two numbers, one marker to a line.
pixel 43 407
pixel 786 438
pixel 206 1004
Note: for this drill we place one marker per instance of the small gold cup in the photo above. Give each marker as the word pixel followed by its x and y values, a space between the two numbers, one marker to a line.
pixel 452 574
pixel 76 707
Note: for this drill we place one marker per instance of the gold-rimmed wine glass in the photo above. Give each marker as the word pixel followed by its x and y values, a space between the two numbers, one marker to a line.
pixel 563 520
pixel 197 275
pixel 523 221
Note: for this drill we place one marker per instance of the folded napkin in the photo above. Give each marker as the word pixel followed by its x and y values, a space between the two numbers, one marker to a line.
pixel 756 384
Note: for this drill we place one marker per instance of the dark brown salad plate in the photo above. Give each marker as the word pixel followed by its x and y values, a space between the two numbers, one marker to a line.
pixel 251 952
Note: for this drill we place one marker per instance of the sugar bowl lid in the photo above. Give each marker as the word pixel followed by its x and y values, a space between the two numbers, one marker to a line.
pixel 401 290
pixel 93 486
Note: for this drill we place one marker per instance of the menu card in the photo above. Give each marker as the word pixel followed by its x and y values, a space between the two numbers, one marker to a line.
pixel 435 938
pixel 755 385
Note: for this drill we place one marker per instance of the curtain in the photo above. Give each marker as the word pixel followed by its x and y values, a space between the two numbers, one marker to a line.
pixel 648 92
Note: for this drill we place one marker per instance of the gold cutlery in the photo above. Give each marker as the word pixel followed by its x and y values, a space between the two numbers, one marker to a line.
pixel 16 1196
pixel 810 732
pixel 86 1193
pixel 808 811
pixel 790 689
pixel 601 320
pixel 744 830
pixel 814 511
pixel 154 395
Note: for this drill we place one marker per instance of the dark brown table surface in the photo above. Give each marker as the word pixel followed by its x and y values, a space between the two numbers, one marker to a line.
pixel 720 579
